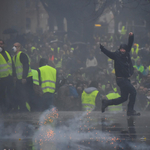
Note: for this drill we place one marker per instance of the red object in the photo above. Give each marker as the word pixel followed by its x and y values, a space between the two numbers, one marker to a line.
pixel 52 58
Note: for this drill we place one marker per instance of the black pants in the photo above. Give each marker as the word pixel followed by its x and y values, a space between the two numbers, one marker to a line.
pixel 127 90
pixel 47 101
pixel 6 93
pixel 24 93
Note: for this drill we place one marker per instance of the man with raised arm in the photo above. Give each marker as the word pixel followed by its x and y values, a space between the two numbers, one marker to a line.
pixel 123 71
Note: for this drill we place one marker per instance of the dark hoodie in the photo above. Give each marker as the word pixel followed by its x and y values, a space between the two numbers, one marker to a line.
pixel 122 62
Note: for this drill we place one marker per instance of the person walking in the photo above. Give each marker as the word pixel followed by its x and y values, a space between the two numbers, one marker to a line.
pixel 123 71
pixel 23 78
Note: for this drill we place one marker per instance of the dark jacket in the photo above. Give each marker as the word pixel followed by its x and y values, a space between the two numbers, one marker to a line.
pixel 122 62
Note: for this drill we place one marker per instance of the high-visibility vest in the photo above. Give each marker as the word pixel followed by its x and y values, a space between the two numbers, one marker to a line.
pixel 35 77
pixel 59 63
pixel 19 66
pixel 88 100
pixel 58 49
pixel 48 79
pixel 135 59
pixel 114 107
pixel 5 67
pixel 111 38
pixel 123 31
pixel 139 68
pixel 136 50
pixel 33 48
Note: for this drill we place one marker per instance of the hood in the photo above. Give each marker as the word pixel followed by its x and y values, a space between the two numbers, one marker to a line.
pixel 124 46
pixel 90 90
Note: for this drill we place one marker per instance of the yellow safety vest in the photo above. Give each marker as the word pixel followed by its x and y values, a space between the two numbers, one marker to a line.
pixel 88 100
pixel 59 63
pixel 58 49
pixel 48 79
pixel 114 107
pixel 19 66
pixel 33 48
pixel 123 31
pixel 5 67
pixel 135 59
pixel 140 68
pixel 35 77
pixel 136 50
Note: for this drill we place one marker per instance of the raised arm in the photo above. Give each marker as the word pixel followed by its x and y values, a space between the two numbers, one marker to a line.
pixel 107 52
pixel 130 41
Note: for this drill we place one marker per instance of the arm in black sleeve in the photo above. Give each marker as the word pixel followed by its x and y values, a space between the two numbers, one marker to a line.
pixel 59 81
pixel 108 53
pixel 130 42
pixel 98 102
pixel 25 62
pixel 39 76
pixel 13 70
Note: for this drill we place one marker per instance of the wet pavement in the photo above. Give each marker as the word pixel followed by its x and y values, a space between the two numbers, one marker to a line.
pixel 74 130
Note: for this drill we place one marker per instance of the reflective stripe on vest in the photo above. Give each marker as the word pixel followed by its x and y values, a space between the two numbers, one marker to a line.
pixel 48 79
pixel 114 107
pixel 35 77
pixel 19 66
pixel 88 100
pixel 5 67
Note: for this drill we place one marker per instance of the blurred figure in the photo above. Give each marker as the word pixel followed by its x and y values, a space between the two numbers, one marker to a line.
pixel 6 81
pixel 91 65
pixel 23 78
pixel 68 99
pixel 140 67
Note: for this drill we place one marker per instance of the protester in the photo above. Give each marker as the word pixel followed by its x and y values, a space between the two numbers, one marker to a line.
pixel 70 58
pixel 123 70
pixel 23 79
pixel 6 81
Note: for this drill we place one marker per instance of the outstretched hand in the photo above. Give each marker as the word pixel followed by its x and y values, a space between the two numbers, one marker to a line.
pixel 101 46
pixel 131 33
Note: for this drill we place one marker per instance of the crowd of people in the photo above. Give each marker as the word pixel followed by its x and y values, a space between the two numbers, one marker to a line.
pixel 79 64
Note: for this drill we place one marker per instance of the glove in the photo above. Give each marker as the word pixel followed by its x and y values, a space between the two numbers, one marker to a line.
pixel 101 46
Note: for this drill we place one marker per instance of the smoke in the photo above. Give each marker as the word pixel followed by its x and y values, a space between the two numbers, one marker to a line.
pixel 76 133
pixel 14 131
pixel 13 135
pixel 79 132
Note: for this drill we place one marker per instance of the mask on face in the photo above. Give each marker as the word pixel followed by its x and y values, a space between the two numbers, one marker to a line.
pixel 1 49
pixel 14 49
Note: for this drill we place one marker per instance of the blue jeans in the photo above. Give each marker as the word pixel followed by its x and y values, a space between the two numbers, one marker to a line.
pixel 127 90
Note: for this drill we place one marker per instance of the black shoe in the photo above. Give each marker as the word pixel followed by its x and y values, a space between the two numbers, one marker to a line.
pixel 133 113
pixel 104 105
